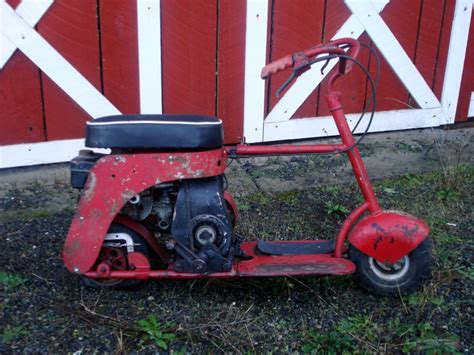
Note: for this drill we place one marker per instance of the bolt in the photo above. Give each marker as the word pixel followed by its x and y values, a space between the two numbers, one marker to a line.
pixel 76 270
pixel 227 265
pixel 103 269
pixel 178 267
pixel 170 245
pixel 81 218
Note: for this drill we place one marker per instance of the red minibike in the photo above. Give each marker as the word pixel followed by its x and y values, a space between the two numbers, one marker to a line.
pixel 157 207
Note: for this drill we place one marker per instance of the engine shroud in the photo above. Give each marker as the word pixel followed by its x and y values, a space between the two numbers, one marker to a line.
pixel 201 228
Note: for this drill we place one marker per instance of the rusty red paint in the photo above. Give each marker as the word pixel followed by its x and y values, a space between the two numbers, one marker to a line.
pixel 387 236
pixel 138 261
pixel 229 199
pixel 255 266
pixel 134 173
pixel 346 227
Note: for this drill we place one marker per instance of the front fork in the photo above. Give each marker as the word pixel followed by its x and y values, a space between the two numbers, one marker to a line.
pixel 352 151
pixel 386 236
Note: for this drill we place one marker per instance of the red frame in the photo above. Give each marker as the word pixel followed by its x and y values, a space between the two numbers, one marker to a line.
pixel 384 235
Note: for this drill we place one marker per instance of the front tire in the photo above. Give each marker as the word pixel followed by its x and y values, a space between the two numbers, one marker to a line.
pixel 403 277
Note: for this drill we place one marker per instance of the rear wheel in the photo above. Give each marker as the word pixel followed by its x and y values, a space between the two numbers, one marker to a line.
pixel 114 252
pixel 403 277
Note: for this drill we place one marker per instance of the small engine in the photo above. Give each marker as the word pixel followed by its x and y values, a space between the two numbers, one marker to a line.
pixel 193 215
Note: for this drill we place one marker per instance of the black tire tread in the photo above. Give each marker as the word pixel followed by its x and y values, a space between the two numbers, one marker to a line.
pixel 418 274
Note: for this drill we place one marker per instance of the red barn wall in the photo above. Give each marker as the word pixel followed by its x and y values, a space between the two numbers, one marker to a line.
pixel 203 48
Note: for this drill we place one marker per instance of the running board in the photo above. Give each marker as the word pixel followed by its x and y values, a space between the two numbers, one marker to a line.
pixel 299 247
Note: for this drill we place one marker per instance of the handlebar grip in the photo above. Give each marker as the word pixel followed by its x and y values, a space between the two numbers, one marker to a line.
pixel 277 66
pixel 300 60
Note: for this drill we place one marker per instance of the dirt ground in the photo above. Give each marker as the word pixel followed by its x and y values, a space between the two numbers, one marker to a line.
pixel 45 309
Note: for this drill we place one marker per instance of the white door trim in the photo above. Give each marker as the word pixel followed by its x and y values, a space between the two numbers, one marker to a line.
pixel 149 55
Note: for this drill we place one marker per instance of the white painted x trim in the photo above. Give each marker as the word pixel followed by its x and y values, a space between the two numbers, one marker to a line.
pixel 53 64
pixel 31 11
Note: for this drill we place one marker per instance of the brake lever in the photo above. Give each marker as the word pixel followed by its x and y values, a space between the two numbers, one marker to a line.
pixel 325 65
pixel 300 65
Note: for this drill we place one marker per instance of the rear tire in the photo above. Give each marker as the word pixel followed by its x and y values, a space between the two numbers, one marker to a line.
pixel 405 276
pixel 140 245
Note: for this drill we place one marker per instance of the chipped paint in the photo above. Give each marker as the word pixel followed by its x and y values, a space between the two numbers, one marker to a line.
pixel 111 184
pixel 120 159
pixel 88 192
pixel 388 236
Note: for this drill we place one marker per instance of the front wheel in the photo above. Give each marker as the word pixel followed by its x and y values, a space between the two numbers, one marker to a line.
pixel 403 277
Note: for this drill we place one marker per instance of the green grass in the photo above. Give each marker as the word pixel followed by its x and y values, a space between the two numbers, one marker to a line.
pixel 10 281
pixel 11 333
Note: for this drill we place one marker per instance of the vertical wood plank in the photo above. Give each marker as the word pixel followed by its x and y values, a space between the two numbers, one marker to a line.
pixel 296 25
pixel 443 46
pixel 428 39
pixel 70 26
pixel 353 86
pixel 21 114
pixel 402 18
pixel 189 56
pixel 467 83
pixel 118 31
pixel 231 68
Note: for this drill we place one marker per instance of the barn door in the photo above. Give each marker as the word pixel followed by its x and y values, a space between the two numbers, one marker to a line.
pixel 372 21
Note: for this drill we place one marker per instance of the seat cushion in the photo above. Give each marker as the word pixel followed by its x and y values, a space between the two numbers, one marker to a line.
pixel 155 132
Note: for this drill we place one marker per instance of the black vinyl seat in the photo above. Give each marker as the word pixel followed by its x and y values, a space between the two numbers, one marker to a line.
pixel 155 132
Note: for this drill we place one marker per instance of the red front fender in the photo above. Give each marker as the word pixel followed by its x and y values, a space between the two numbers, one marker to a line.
pixel 388 236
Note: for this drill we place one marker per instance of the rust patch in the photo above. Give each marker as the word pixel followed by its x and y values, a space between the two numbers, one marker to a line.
pixel 308 268
pixel 127 195
pixel 89 191
pixel 409 233
pixel 119 159
pixel 114 209
pixel 71 248
pixel 178 159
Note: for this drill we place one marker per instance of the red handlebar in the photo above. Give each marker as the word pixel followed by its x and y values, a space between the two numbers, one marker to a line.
pixel 300 61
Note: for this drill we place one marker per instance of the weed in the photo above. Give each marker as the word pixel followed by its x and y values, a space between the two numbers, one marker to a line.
pixel 290 197
pixel 331 342
pixel 336 208
pixel 410 180
pixel 469 273
pixel 242 206
pixel 10 281
pixel 360 326
pixel 333 190
pixel 11 333
pixel 155 331
pixel 421 298
pixel 423 339
pixel 341 337
pixel 448 195
pixel 259 198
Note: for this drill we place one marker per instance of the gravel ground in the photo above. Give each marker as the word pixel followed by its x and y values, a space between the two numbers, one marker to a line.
pixel 44 309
